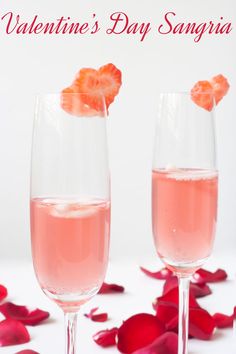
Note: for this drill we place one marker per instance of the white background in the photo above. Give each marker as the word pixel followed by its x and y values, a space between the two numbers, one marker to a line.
pixel 41 64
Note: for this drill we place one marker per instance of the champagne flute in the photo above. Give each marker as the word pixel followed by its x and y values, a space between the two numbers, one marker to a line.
pixel 70 204
pixel 184 193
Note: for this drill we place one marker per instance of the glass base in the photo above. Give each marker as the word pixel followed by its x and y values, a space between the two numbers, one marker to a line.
pixel 71 302
pixel 183 268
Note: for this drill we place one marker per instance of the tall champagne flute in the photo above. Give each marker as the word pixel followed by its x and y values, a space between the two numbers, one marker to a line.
pixel 70 204
pixel 184 193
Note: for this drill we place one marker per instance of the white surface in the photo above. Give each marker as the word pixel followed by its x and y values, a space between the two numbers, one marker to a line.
pixel 32 64
pixel 48 338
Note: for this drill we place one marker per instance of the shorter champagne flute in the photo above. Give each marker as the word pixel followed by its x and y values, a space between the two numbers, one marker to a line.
pixel 184 193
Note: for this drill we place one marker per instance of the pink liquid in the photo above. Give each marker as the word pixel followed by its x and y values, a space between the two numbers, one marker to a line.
pixel 184 205
pixel 70 244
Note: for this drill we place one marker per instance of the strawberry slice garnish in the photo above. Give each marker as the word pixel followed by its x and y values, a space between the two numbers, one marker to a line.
pixel 97 84
pixel 220 87
pixel 71 103
pixel 92 91
pixel 204 93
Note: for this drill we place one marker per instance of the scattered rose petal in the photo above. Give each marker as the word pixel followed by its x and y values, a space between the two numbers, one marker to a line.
pixel 13 332
pixel 173 297
pixel 23 314
pixel 162 274
pixel 27 351
pixel 3 292
pixel 139 331
pixel 146 334
pixel 167 343
pixel 111 288
pixel 201 324
pixel 170 283
pixel 205 276
pixel 100 317
pixel 224 321
pixel 166 311
pixel 106 338
pixel 198 290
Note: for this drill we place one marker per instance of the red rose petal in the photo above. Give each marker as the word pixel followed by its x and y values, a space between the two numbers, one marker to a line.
pixel 205 276
pixel 173 324
pixel 23 314
pixel 101 317
pixel 201 324
pixel 167 343
pixel 106 338
pixel 224 321
pixel 3 292
pixel 139 331
pixel 170 283
pixel 162 274
pixel 111 288
pixel 13 332
pixel 166 311
pixel 27 351
pixel 92 311
pixel 173 297
pixel 198 290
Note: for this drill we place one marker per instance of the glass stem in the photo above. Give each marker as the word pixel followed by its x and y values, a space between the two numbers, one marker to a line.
pixel 70 328
pixel 184 283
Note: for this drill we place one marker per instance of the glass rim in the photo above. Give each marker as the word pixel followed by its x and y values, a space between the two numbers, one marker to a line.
pixel 184 93
pixel 51 94
pixel 75 98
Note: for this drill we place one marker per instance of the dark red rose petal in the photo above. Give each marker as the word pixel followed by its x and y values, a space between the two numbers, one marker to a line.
pixel 100 317
pixel 139 331
pixel 170 283
pixel 205 276
pixel 13 332
pixel 106 338
pixel 162 274
pixel 111 288
pixel 173 324
pixel 201 324
pixel 166 311
pixel 91 313
pixel 27 351
pixel 173 297
pixel 167 343
pixel 23 314
pixel 3 292
pixel 198 290
pixel 224 321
